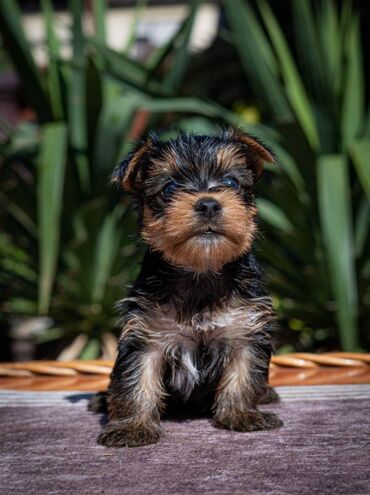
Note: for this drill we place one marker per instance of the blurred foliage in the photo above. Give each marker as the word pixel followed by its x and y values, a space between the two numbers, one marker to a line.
pixel 68 248
pixel 68 245
pixel 316 213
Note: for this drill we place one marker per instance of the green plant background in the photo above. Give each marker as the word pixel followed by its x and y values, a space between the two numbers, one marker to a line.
pixel 67 243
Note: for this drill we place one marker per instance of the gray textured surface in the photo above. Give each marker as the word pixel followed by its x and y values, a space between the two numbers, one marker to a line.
pixel 47 445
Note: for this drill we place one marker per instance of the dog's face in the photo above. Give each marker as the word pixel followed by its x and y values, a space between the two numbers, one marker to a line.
pixel 196 196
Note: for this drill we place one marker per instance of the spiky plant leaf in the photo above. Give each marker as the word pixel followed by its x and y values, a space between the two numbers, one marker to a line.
pixel 335 213
pixel 51 170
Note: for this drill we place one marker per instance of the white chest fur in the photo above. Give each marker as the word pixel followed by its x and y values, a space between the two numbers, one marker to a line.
pixel 182 343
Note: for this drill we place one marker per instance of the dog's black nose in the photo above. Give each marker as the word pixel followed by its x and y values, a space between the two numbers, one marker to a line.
pixel 208 207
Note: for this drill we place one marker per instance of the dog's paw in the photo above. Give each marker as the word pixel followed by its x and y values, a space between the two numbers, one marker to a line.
pixel 249 421
pixel 266 421
pixel 98 403
pixel 268 396
pixel 129 434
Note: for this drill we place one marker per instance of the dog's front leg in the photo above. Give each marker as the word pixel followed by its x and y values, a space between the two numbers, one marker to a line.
pixel 136 396
pixel 237 393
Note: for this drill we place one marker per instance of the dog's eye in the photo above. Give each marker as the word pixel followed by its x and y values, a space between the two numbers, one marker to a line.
pixel 231 182
pixel 168 190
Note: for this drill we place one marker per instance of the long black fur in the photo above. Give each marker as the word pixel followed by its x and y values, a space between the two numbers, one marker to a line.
pixel 190 295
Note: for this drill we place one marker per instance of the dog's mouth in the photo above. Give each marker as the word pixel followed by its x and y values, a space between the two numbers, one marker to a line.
pixel 209 233
pixel 206 235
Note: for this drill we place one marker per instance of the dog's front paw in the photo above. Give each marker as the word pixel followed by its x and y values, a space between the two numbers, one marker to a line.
pixel 129 434
pixel 268 396
pixel 252 420
pixel 98 403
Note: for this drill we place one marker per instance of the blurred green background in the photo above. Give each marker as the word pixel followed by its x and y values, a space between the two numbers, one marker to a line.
pixel 291 72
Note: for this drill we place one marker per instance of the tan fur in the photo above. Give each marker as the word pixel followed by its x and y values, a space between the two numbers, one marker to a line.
pixel 236 380
pixel 178 233
pixel 147 392
pixel 214 359
pixel 236 397
pixel 150 392
pixel 229 156
pixel 235 322
pixel 168 337
pixel 127 182
pixel 167 164
pixel 260 154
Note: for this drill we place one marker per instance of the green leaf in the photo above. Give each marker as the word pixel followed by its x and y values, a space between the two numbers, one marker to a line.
pixel 54 74
pixel 18 213
pixel 77 103
pixel 139 8
pixel 207 109
pixel 51 170
pixel 99 10
pixel 50 334
pixel 180 55
pixel 353 98
pixel 92 350
pixel 331 45
pixel 123 106
pixel 15 260
pixel 367 124
pixel 157 57
pixel 108 243
pixel 194 125
pixel 306 26
pixel 294 87
pixel 335 214
pixel 274 215
pixel 19 51
pixel 22 306
pixel 114 122
pixel 287 163
pixel 96 93
pixel 126 70
pixel 360 154
pixel 362 226
pixel 257 57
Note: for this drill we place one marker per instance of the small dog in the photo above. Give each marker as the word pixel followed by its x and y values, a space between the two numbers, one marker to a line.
pixel 197 324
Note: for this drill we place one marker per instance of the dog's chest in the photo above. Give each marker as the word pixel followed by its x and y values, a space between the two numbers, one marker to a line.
pixel 204 328
pixel 197 349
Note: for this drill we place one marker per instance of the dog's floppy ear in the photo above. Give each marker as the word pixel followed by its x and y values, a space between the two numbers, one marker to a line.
pixel 258 153
pixel 128 173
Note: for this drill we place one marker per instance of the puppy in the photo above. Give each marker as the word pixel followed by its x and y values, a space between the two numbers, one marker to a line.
pixel 197 324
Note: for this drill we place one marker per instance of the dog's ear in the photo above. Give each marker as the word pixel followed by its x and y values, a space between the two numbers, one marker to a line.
pixel 128 173
pixel 258 154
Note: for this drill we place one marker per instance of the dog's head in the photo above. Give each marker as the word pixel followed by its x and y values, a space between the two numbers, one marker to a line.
pixel 195 195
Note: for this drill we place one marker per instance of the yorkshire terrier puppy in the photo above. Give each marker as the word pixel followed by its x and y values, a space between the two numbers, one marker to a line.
pixel 197 324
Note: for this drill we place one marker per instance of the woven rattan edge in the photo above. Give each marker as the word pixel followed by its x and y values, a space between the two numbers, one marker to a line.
pixel 287 369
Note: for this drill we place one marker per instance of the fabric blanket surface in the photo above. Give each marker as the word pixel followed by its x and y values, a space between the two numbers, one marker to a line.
pixel 48 446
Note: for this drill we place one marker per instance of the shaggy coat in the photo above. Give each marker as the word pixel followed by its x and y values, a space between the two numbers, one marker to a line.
pixel 197 324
